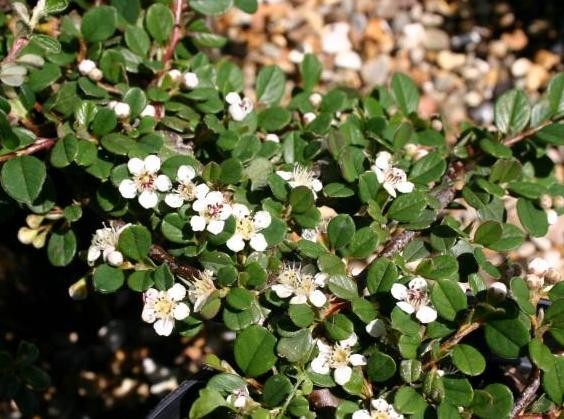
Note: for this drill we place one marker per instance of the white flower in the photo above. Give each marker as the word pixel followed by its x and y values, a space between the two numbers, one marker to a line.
pixel 190 80
pixel 309 117
pixel 212 212
pixel 149 110
pixel 315 99
pixel 380 409
pixel 248 228
pixel 186 191
pixel 376 328
pixel 337 357
pixel 145 181
pixel 392 178
pixel 538 266
pixel 96 74
pixel 163 307
pixel 497 291
pixel 239 397
pixel 301 176
pixel 175 75
pixel 200 289
pixel 86 66
pixel 415 299
pixel 551 216
pixel 272 137
pixel 122 110
pixel 104 243
pixel 302 284
pixel 238 108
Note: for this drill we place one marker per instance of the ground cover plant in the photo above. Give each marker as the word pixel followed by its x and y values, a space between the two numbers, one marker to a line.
pixel 342 240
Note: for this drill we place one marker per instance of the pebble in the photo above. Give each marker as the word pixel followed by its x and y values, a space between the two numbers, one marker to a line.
pixel 473 98
pixel 536 77
pixel 376 71
pixel 335 38
pixel 516 40
pixel 436 39
pixel 520 67
pixel 449 60
pixel 348 59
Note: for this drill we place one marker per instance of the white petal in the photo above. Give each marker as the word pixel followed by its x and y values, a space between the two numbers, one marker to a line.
pixel 135 166
pixel 198 223
pixel 240 211
pixel 390 189
pixel 399 291
pixel 258 242
pixel 201 190
pixel 185 173
pixel 342 375
pixel 405 306
pixel 181 311
pixel 538 266
pixel 282 290
pixel 361 414
pixel 174 200
pixel 148 314
pixel 240 402
pixel 151 295
pixel 350 341
pixel 551 216
pixel 152 163
pixel 262 219
pixel 418 283
pixel 199 205
pixel 317 298
pixel 376 328
pixel 114 258
pixel 357 359
pixel 163 183
pixel 216 226
pixel 405 187
pixel 383 160
pixel 214 197
pixel 163 327
pixel 127 189
pixel 298 299
pixel 149 110
pixel 93 254
pixel 316 185
pixel 284 175
pixel 426 314
pixel 321 279
pixel 225 212
pixel 319 365
pixel 380 405
pixel 379 174
pixel 148 199
pixel 232 98
pixel 236 243
pixel 237 113
pixel 177 292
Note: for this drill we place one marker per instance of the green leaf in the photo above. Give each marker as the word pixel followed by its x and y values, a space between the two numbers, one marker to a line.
pixel 448 298
pixel 506 337
pixel 533 218
pixel 488 233
pixel 275 390
pixel 64 152
pixel 364 243
pixel 340 230
pixel 541 355
pixel 553 381
pixel 274 118
pixel 338 326
pixel 231 171
pixel 410 370
pixel 301 199
pixel 240 298
pixel 552 134
pixel 211 8
pixel 55 6
pixel 134 242
pixel 407 207
pixel 44 77
pixel 8 139
pixel 247 6
pixel 343 287
pixel 468 359
pixel 108 279
pixel 140 281
pixel 301 314
pixel 136 99
pixel 511 238
pixel 494 401
pixel 405 92
pixel 428 169
pixel 408 400
pixel 104 122
pixel 207 402
pixel 512 111
pixel 137 40
pixel 439 267
pixel 555 93
pixel 270 85
pixel 521 294
pixel 254 350
pixel 381 276
pixel 61 248
pixel 23 178
pixel 310 70
pixel 458 391
pixel 99 23
pixel 160 22
pixel 337 190
pixel 49 44
pixel 297 347
pixel 380 367
pixel 505 170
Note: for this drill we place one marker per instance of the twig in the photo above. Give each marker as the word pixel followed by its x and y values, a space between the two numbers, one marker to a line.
pixel 39 145
pixel 17 46
pixel 185 270
pixel 176 33
pixel 528 133
pixel 464 330
pixel 528 394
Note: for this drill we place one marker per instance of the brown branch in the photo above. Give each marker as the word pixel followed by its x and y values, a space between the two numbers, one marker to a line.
pixel 39 145
pixel 185 270
pixel 17 46
pixel 460 334
pixel 528 394
pixel 526 134
pixel 176 33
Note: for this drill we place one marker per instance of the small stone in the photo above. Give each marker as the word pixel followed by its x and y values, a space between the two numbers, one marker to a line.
pixel 546 59
pixel 520 67
pixel 436 39
pixel 413 35
pixel 449 61
pixel 536 77
pixel 516 40
pixel 348 59
pixel 526 250
pixel 335 38
pixel 473 98
pixel 375 72
pixel 498 48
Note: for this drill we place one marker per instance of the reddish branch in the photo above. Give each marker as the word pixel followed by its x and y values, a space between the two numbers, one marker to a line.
pixel 176 33
pixel 17 46
pixel 460 334
pixel 526 134
pixel 39 145
pixel 158 254
pixel 528 394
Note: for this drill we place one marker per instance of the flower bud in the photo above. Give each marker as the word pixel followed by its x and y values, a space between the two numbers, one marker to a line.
pixel 538 266
pixel 175 75
pixel 545 201
pixel 309 117
pixel 122 110
pixel 85 67
pixel 27 235
pixel 534 282
pixel 272 137
pixel 95 74
pixel 190 80
pixel 115 258
pixel 315 99
pixel 497 292
pixel 78 290
pixel 551 216
pixel 39 240
pixel 149 110
pixel 34 221
pixel 552 276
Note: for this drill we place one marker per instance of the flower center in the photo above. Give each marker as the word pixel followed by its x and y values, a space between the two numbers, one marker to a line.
pixel 214 210
pixel 394 176
pixel 187 191
pixel 245 228
pixel 305 285
pixel 379 415
pixel 163 307
pixel 416 297
pixel 302 177
pixel 339 357
pixel 145 181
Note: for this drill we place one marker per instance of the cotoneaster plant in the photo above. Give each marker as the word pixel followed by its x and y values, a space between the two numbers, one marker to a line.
pixel 346 244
